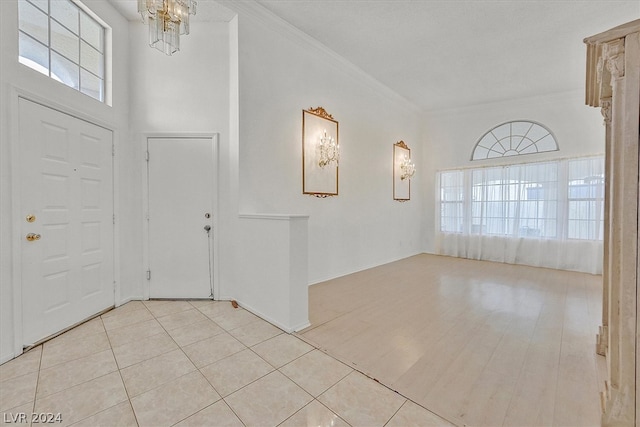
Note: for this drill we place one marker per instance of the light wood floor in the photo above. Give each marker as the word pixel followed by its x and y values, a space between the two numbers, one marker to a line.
pixel 478 343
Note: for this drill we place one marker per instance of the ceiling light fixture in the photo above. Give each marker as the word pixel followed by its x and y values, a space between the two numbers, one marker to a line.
pixel 167 19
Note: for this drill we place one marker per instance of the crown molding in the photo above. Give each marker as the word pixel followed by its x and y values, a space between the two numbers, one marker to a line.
pixel 510 103
pixel 272 21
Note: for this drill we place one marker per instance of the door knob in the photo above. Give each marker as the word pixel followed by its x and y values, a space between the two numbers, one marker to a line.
pixel 33 236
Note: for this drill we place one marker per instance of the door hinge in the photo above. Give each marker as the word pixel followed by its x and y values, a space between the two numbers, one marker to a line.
pixel 113 150
pixel 146 155
pixel 148 274
pixel 114 219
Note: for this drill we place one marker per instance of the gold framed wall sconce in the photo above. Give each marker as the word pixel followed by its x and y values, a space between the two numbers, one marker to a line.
pixel 403 171
pixel 320 153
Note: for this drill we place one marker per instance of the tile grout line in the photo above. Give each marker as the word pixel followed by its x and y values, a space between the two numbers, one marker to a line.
pixel 222 398
pixel 35 394
pixel 121 378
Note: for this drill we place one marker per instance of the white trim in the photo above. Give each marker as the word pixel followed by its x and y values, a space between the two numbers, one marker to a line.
pixel 117 279
pixel 275 217
pixel 145 215
pixel 506 104
pixel 6 357
pixel 510 122
pixel 505 164
pixel 19 92
pixel 287 329
pixel 316 281
pixel 16 258
pixel 215 140
pixel 126 300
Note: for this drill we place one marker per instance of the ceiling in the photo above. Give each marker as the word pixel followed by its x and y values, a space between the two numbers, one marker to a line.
pixel 443 54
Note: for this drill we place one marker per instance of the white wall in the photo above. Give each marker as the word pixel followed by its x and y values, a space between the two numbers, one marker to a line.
pixel 451 136
pixel 15 78
pixel 273 280
pixel 187 93
pixel 283 72
pixel 249 81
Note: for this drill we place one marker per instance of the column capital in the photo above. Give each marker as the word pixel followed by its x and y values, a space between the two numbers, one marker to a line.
pixel 613 55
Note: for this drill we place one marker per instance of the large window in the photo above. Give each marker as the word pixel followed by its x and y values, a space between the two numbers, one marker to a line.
pixel 586 194
pixel 61 40
pixel 452 201
pixel 552 200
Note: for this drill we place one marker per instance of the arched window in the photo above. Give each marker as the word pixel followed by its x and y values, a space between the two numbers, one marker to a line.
pixel 514 139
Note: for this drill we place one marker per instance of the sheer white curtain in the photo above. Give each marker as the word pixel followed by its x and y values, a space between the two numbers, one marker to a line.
pixel 541 214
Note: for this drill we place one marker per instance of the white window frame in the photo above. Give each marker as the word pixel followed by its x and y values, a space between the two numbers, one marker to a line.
pixel 561 214
pixel 103 94
pixel 514 138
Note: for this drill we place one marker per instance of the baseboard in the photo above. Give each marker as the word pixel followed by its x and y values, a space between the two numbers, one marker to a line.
pixel 274 322
pixel 126 300
pixel 6 357
pixel 317 280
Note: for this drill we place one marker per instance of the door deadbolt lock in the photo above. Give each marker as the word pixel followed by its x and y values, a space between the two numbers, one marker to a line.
pixel 31 218
pixel 33 236
pixel 207 215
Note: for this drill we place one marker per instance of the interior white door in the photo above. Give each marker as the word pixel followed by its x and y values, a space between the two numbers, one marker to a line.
pixel 66 201
pixel 181 194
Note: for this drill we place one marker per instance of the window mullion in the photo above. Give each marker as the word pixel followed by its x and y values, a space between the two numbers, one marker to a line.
pixel 562 205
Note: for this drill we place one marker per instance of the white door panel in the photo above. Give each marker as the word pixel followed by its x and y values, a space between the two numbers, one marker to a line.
pixel 66 182
pixel 181 192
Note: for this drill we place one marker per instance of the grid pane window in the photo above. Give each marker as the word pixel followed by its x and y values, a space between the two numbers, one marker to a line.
pixel 451 202
pixel 586 199
pixel 59 39
pixel 514 201
pixel 92 32
pixel 65 42
pixel 552 200
pixel 66 13
pixel 34 22
pixel 33 54
pixel 514 139
pixel 65 70
pixel 91 59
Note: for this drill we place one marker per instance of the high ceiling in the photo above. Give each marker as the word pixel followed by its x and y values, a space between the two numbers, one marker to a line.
pixel 442 54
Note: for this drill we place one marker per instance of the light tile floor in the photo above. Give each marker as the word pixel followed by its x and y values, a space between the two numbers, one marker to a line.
pixel 193 363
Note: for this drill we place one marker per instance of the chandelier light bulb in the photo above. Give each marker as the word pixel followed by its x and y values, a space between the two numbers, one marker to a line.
pixel 407 168
pixel 167 20
pixel 329 150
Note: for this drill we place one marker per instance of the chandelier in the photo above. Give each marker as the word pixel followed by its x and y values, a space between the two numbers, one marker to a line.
pixel 329 150
pixel 167 19
pixel 408 169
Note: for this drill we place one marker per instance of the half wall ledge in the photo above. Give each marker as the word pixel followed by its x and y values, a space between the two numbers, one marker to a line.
pixel 273 268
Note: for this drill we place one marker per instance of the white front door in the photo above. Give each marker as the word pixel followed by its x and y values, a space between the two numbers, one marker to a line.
pixel 66 204
pixel 181 194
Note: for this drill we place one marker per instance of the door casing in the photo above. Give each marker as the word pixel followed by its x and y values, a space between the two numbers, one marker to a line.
pixel 145 198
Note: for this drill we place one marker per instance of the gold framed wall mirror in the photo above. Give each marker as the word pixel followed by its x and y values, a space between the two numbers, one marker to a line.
pixel 403 171
pixel 320 153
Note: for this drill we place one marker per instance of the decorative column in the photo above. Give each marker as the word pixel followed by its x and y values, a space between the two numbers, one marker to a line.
pixel 602 342
pixel 613 84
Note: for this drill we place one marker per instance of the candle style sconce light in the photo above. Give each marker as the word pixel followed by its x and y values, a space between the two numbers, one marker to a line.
pixel 403 170
pixel 320 153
